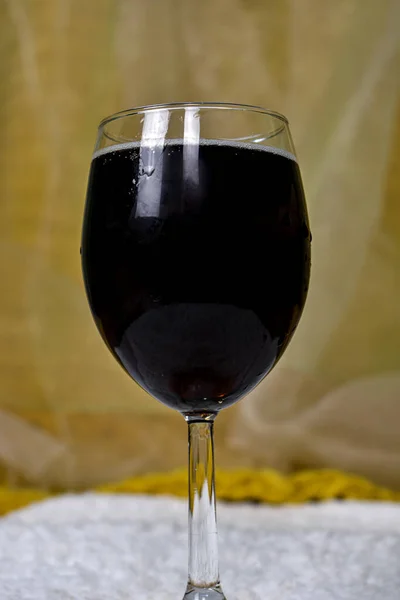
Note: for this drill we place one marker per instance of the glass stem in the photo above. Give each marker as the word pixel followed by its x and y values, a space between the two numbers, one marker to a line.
pixel 203 541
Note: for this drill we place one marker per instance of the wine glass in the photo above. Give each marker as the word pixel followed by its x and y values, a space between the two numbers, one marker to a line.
pixel 196 261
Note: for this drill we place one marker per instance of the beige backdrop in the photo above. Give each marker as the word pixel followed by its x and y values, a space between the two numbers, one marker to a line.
pixel 69 416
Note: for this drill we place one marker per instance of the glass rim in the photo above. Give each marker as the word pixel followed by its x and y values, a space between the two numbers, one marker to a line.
pixel 179 105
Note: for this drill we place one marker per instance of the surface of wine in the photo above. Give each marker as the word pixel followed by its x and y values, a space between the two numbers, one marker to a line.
pixel 196 263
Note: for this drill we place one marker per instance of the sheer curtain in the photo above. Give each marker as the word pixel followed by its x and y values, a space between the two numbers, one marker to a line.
pixel 68 414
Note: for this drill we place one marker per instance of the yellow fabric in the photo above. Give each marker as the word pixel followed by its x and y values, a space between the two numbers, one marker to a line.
pixel 239 485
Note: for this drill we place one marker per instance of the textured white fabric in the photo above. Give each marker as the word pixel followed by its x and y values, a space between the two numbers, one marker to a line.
pixel 105 547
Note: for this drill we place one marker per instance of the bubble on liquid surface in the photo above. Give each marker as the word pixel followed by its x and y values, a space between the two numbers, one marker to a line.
pixel 148 170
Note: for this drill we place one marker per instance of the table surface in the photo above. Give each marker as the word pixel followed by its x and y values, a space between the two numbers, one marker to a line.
pixel 116 547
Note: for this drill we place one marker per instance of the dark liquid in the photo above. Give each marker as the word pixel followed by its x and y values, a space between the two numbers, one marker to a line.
pixel 196 262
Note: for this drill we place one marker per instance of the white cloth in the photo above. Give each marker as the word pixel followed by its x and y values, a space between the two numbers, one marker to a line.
pixel 106 547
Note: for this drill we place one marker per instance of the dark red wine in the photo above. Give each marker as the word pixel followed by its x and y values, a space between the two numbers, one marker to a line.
pixel 196 262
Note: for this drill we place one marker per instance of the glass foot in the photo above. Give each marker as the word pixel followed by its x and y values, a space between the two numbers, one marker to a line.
pixel 199 593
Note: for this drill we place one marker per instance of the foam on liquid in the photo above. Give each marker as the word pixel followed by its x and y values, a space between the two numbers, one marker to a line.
pixel 202 142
